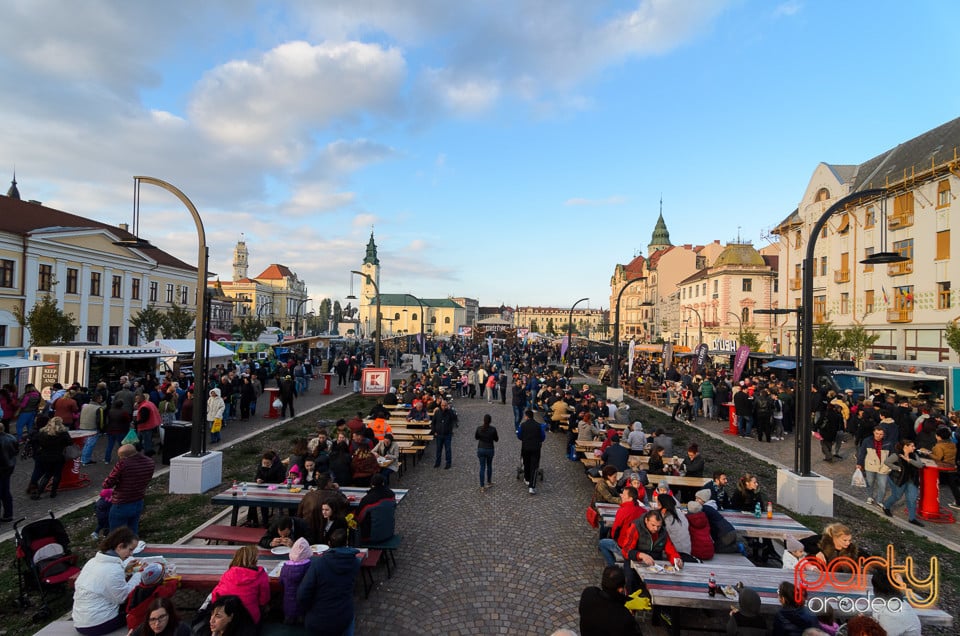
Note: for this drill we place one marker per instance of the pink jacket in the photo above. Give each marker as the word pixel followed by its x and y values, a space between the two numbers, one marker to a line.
pixel 252 586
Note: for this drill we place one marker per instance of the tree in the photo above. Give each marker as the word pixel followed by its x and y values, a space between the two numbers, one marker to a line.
pixel 178 322
pixel 551 331
pixel 149 323
pixel 952 334
pixel 250 328
pixel 750 338
pixel 47 323
pixel 856 340
pixel 324 313
pixel 827 340
pixel 533 325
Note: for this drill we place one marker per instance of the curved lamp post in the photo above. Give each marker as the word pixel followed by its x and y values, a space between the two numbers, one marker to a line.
pixel 570 327
pixel 739 325
pixel 423 339
pixel 376 289
pixel 260 309
pixel 806 313
pixel 699 325
pixel 796 405
pixel 198 438
pixel 615 373
pixel 296 318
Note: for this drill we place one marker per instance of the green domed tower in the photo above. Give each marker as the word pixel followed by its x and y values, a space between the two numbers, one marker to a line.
pixel 660 238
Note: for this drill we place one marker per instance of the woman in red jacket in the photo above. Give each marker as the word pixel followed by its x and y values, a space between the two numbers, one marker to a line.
pixel 247 580
pixel 701 543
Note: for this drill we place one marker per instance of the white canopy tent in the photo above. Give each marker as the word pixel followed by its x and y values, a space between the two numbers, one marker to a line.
pixel 184 349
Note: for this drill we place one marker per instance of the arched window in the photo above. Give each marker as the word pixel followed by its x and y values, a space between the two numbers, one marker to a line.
pixel 413 316
pixel 822 195
pixel 396 316
pixel 433 320
pixel 446 320
pixel 745 315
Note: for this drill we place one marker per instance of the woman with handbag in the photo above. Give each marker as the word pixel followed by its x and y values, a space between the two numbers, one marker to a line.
pixel 52 439
pixel 215 409
pixel 904 477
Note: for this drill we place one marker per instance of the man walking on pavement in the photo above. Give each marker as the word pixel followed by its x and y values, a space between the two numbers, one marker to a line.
pixel 442 425
pixel 531 436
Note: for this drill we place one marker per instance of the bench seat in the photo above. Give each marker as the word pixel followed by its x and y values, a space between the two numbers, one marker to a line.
pixel 230 534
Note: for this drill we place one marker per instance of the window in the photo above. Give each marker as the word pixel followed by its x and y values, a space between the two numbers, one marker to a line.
pixel 169 292
pixel 822 195
pixel 903 297
pixel 413 316
pixel 823 231
pixel 867 253
pixel 6 273
pixel 844 226
pixel 446 320
pixel 943 245
pixel 133 337
pixel 135 288
pixel 116 287
pixel 870 219
pixel 747 284
pixel 904 248
pixel 796 240
pixel 868 301
pixel 154 290
pixel 902 211
pixel 716 286
pixel 844 303
pixel 93 334
pixel 73 277
pixel 943 295
pixel 184 295
pixel 45 283
pixel 94 284
pixel 704 288
pixel 114 336
pixel 396 316
pixel 823 265
pixel 776 285
pixel 3 335
pixel 943 193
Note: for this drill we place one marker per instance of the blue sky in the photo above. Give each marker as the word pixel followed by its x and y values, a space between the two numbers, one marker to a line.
pixel 511 151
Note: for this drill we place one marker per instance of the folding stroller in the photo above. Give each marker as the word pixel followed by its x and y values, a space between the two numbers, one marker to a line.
pixel 44 560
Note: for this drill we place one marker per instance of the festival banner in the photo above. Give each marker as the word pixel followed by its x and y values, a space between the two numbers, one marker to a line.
pixel 466 332
pixel 699 358
pixel 740 361
pixel 564 343
pixel 490 346
pixel 631 351
pixel 667 355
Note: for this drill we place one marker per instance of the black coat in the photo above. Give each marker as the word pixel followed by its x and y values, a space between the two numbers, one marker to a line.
pixel 603 614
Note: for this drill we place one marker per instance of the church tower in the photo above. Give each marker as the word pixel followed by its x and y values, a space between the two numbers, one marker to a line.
pixel 240 260
pixel 661 237
pixel 370 267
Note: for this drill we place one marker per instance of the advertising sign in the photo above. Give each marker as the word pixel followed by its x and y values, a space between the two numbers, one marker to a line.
pixel 375 381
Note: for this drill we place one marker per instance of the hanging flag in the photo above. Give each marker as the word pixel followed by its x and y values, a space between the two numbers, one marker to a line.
pixel 667 355
pixel 490 346
pixel 631 351
pixel 564 343
pixel 884 290
pixel 740 361
pixel 699 359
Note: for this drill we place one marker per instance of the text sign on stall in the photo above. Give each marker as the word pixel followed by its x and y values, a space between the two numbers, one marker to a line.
pixel 375 382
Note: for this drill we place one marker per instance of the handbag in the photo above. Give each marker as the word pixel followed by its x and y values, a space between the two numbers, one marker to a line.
pixel 216 425
pixel 593 517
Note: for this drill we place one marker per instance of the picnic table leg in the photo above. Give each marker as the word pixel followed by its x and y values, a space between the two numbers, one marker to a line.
pixel 234 516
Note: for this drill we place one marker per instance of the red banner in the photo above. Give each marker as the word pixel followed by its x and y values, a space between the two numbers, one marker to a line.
pixel 740 362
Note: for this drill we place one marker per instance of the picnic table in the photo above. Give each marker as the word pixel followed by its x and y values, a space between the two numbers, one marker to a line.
pixel 281 497
pixel 687 588
pixel 780 527
pixel 200 567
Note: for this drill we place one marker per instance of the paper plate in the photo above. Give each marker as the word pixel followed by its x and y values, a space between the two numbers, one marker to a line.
pixel 280 549
pixel 319 548
pixel 140 547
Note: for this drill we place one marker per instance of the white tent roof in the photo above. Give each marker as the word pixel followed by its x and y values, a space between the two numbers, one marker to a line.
pixel 181 347
pixel 11 362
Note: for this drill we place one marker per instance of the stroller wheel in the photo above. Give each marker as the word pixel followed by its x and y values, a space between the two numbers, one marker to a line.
pixel 42 615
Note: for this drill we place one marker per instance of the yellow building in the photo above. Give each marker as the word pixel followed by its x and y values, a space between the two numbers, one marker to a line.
pixel 75 261
pixel 589 323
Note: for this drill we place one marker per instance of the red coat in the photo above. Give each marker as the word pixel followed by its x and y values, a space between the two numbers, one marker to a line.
pixel 701 545
pixel 152 419
pixel 627 513
pixel 252 586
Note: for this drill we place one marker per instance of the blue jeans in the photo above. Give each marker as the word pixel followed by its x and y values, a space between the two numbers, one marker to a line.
pixel 744 425
pixel 146 440
pixel 113 439
pixel 88 447
pixel 25 422
pixel 444 442
pixel 609 551
pixel 127 514
pixel 876 484
pixel 517 416
pixel 485 455
pixel 896 492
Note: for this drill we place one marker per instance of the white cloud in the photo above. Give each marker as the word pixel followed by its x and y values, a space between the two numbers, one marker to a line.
pixel 296 88
pixel 364 220
pixel 461 96
pixel 611 200
pixel 789 8
pixel 312 198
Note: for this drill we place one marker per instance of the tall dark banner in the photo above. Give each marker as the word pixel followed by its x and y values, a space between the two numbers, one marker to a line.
pixel 667 355
pixel 740 362
pixel 699 358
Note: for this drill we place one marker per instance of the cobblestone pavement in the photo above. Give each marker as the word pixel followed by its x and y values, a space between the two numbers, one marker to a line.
pixel 495 562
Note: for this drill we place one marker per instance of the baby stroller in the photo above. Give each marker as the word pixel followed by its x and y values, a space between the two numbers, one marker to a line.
pixel 44 560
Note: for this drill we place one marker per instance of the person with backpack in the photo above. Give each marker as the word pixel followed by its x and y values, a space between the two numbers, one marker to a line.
pixel 763 413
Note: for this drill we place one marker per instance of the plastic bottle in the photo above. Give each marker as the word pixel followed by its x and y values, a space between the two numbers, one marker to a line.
pixel 769 510
pixel 243 491
pixel 712 585
pixel 756 510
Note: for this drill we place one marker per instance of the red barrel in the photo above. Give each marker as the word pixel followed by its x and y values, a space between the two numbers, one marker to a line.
pixel 272 395
pixel 71 477
pixel 327 380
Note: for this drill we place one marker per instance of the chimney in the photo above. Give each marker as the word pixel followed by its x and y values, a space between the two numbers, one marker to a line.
pixel 124 227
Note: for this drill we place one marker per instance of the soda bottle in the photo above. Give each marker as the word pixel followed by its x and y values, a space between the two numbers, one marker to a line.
pixel 712 585
pixel 769 510
pixel 756 510
pixel 234 488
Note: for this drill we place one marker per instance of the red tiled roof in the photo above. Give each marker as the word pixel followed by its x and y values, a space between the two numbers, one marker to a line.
pixel 22 217
pixel 654 258
pixel 636 265
pixel 276 272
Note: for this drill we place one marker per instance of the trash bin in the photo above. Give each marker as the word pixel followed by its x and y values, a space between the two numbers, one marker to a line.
pixel 176 440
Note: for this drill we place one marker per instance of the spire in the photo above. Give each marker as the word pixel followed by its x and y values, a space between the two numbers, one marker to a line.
pixel 661 237
pixel 371 257
pixel 13 193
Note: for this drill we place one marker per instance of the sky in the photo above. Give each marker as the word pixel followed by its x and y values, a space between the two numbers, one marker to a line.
pixel 512 151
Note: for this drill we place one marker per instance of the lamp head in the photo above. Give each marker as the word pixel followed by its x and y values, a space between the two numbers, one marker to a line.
pixel 884 258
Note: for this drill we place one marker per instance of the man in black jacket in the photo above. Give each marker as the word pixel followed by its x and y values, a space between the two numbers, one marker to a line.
pixel 531 435
pixel 602 611
pixel 442 425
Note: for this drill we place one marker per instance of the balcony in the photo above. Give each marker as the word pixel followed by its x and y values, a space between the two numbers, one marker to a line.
pixel 898 221
pixel 900 315
pixel 841 275
pixel 899 269
pixel 710 324
pixel 796 284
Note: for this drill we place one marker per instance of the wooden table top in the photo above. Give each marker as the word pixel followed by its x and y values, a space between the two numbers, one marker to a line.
pixel 780 527
pixel 281 497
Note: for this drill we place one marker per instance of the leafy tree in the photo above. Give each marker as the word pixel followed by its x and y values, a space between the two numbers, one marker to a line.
pixel 250 327
pixel 750 338
pixel 47 323
pixel 149 323
pixel 337 312
pixel 178 322
pixel 952 334
pixel 856 340
pixel 551 330
pixel 324 313
pixel 827 340
pixel 533 325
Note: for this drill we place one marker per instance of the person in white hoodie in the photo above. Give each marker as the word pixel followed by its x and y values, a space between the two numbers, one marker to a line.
pixel 792 554
pixel 103 585
pixel 215 409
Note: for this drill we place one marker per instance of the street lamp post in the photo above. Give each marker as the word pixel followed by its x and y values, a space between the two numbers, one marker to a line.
pixel 423 340
pixel 376 289
pixel 739 325
pixel 198 438
pixel 796 402
pixel 615 373
pixel 699 325
pixel 260 309
pixel 296 318
pixel 570 328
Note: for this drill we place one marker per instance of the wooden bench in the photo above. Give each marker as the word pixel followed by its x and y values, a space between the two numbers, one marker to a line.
pixel 65 627
pixel 734 558
pixel 367 566
pixel 388 547
pixel 230 534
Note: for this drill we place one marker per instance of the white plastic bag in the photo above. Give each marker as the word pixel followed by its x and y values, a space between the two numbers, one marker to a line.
pixel 858 480
pixel 277 404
